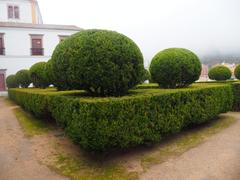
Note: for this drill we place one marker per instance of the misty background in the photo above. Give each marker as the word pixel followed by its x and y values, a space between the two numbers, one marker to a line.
pixel 210 28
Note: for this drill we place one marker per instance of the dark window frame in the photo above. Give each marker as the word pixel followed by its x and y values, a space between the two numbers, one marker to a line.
pixel 2 46
pixel 37 45
pixel 63 37
pixel 13 12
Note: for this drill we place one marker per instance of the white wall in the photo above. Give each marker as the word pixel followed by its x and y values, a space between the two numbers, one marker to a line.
pixel 18 47
pixel 24 7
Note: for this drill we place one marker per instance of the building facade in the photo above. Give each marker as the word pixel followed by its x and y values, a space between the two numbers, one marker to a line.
pixel 24 39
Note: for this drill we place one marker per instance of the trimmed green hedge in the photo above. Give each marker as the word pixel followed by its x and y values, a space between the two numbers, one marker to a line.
pixel 236 94
pixel 36 100
pixel 144 116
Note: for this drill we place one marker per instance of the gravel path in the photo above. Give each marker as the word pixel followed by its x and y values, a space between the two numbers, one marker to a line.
pixel 216 159
pixel 17 159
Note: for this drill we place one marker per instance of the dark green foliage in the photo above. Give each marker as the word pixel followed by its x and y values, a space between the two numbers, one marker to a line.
pixel 237 72
pixel 219 73
pixel 36 102
pixel 39 76
pixel 148 86
pixel 23 78
pixel 236 94
pixel 49 72
pixel 175 68
pixel 146 116
pixel 104 63
pixel 146 76
pixel 11 81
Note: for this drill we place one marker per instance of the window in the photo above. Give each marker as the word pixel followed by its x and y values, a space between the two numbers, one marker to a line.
pixel 10 12
pixel 2 49
pixel 62 38
pixel 37 45
pixel 13 12
pixel 16 12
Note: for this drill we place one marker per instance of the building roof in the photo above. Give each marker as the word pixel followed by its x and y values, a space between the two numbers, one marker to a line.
pixel 39 26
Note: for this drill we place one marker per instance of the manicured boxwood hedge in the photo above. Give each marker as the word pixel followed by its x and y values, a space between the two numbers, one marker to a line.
pixel 36 100
pixel 145 116
pixel 236 95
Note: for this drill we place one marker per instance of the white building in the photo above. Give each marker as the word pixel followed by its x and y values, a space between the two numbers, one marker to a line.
pixel 24 39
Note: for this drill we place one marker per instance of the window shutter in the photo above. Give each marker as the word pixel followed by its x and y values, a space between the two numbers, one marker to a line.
pixel 16 12
pixel 10 12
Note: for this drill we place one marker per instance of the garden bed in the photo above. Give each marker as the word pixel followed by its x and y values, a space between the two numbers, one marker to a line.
pixel 143 116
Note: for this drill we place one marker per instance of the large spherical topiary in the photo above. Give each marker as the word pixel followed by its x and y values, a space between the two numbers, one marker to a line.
pixel 237 72
pixel 23 78
pixel 219 73
pixel 38 75
pixel 11 82
pixel 175 68
pixel 102 62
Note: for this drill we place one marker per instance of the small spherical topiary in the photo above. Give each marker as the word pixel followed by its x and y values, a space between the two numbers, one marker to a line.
pixel 175 68
pixel 11 82
pixel 38 75
pixel 237 72
pixel 23 78
pixel 219 73
pixel 104 63
pixel 49 72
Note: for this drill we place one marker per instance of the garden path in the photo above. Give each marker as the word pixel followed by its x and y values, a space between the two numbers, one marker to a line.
pixel 17 160
pixel 216 159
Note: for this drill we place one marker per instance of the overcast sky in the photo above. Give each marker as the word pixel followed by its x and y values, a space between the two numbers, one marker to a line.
pixel 203 26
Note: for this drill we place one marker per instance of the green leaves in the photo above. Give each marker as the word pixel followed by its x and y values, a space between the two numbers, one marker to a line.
pixel 23 78
pixel 145 116
pixel 104 63
pixel 175 68
pixel 11 81
pixel 39 76
pixel 220 73
pixel 237 72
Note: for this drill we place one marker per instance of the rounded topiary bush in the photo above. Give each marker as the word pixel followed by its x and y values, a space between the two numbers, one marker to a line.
pixel 237 72
pixel 23 78
pixel 219 73
pixel 11 82
pixel 175 68
pixel 102 62
pixel 49 72
pixel 38 75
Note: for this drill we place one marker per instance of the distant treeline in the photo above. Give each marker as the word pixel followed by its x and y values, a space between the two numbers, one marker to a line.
pixel 216 59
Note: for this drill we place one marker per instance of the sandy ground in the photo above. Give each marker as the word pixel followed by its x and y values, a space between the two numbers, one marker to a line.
pixel 17 153
pixel 216 159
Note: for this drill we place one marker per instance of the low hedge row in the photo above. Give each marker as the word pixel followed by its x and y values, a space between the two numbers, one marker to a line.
pixel 36 100
pixel 236 95
pixel 144 116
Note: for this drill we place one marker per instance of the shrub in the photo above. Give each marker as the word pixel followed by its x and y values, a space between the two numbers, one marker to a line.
pixel 146 76
pixel 36 101
pixel 175 68
pixel 39 76
pixel 236 95
pixel 237 72
pixel 49 72
pixel 219 73
pixel 102 62
pixel 148 115
pixel 11 81
pixel 23 78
